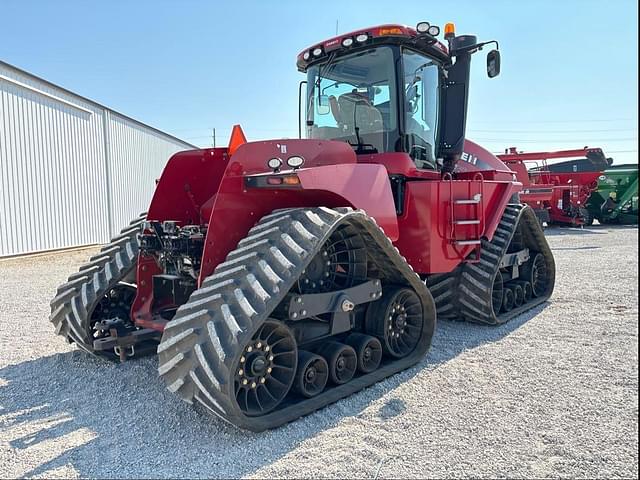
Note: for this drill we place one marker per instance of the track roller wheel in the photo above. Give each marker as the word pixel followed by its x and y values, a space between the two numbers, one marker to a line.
pixel 508 300
pixel 342 360
pixel 397 320
pixel 266 369
pixel 536 272
pixel 526 291
pixel 312 374
pixel 518 294
pixel 368 350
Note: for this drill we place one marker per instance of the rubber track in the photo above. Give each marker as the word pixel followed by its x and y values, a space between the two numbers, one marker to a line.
pixel 201 346
pixel 75 300
pixel 465 293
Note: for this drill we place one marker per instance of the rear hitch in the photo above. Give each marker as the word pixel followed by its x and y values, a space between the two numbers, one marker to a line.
pixel 124 345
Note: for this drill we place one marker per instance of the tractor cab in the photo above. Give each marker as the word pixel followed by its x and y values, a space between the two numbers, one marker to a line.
pixel 392 88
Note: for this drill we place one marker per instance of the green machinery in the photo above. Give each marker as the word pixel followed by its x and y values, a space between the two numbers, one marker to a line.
pixel 616 198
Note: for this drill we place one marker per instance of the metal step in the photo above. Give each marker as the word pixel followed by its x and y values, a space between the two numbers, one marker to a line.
pixel 467 242
pixel 467 222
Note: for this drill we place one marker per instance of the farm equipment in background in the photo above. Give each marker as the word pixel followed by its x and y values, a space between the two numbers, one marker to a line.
pixel 276 277
pixel 616 198
pixel 537 189
pixel 571 181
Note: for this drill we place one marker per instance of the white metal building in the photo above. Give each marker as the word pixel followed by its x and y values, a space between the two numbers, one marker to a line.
pixel 72 172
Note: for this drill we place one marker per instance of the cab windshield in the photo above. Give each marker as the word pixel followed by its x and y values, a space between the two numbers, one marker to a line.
pixel 352 99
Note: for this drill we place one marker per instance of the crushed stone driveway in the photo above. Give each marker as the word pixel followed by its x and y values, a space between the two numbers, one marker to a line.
pixel 554 393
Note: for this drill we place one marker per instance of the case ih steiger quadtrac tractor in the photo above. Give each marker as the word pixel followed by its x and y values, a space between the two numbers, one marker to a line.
pixel 276 277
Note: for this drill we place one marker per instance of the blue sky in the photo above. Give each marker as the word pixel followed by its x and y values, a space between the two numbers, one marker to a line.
pixel 569 67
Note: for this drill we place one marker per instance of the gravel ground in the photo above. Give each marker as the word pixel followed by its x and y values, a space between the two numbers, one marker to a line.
pixel 552 393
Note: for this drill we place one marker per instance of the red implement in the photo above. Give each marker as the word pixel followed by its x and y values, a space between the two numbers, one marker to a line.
pixel 558 191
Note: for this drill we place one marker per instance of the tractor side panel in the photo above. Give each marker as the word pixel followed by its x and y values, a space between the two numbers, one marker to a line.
pixel 189 180
pixel 426 227
pixel 236 208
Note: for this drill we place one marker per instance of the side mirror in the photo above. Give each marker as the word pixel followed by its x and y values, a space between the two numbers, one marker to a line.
pixel 323 105
pixel 493 63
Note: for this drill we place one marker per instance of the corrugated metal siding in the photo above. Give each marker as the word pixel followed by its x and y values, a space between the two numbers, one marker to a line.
pixel 69 167
pixel 137 159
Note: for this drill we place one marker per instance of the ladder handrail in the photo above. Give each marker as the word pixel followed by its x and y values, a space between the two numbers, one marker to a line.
pixel 480 178
pixel 449 178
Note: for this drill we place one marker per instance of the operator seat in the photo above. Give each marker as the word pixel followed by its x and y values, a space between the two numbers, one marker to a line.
pixel 354 109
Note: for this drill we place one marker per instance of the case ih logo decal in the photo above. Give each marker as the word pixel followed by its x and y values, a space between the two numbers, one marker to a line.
pixel 469 158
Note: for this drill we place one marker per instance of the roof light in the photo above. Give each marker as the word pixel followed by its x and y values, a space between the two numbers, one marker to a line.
pixel 363 37
pixel 423 27
pixel 306 56
pixel 347 42
pixel 434 30
pixel 274 164
pixel 317 52
pixel 390 31
pixel 295 162
pixel 449 30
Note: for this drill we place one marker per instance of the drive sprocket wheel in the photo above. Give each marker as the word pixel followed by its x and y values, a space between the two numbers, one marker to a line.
pixel 341 263
pixel 396 320
pixel 266 369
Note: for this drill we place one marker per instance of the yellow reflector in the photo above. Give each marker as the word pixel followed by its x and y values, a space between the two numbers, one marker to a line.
pixel 449 30
pixel 291 180
pixel 390 31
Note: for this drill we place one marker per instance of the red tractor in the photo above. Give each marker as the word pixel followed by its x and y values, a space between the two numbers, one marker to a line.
pixel 275 277
pixel 558 192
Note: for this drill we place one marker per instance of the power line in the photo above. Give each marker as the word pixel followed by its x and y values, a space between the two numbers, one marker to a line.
pixel 606 152
pixel 554 131
pixel 599 120
pixel 557 140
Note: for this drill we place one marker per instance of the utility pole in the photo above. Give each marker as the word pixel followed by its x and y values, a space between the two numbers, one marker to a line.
pixel 336 27
pixel 214 138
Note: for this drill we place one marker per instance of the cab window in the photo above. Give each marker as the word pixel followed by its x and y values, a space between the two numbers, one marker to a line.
pixel 421 98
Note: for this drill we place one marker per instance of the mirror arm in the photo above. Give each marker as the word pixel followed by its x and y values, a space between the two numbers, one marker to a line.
pixel 483 44
pixel 475 48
